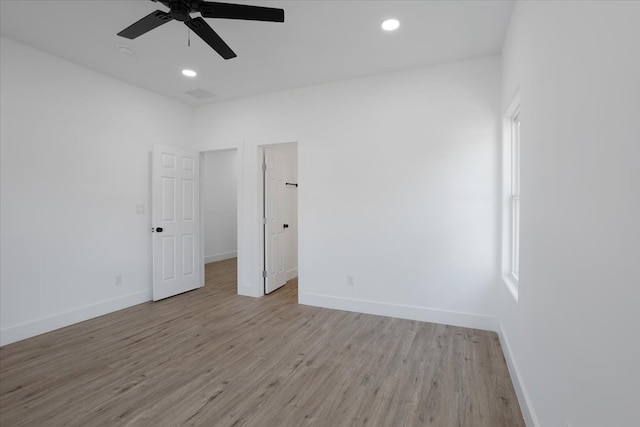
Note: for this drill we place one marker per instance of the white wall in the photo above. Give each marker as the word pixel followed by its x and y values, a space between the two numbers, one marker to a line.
pixel 573 333
pixel 398 182
pixel 75 163
pixel 219 200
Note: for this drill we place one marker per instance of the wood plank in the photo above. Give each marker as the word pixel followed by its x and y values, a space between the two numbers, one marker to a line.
pixel 213 358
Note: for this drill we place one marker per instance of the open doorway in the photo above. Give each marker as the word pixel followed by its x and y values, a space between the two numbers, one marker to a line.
pixel 219 208
pixel 280 215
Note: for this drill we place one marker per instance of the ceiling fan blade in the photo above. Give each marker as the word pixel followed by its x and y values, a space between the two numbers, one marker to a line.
pixel 206 33
pixel 147 23
pixel 210 9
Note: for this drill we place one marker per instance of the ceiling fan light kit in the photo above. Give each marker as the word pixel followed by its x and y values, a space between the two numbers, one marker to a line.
pixel 181 10
pixel 126 50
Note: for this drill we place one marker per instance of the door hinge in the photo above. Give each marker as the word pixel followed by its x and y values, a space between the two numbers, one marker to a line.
pixel 264 274
pixel 264 221
pixel 264 167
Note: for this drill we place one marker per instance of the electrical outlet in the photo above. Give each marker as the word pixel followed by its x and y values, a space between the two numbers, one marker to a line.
pixel 118 280
pixel 351 281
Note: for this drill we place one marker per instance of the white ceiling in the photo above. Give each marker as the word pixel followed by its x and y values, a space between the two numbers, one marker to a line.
pixel 320 41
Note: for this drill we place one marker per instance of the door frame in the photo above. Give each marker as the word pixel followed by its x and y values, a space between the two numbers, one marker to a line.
pixel 202 153
pixel 253 229
pixel 250 253
pixel 262 201
pixel 159 289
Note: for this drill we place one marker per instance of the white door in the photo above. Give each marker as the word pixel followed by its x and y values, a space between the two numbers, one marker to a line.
pixel 175 220
pixel 275 226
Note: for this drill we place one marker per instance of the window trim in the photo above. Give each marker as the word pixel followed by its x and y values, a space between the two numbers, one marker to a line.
pixel 510 267
pixel 514 123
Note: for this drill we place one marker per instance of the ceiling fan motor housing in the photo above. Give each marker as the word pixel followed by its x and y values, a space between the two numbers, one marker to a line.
pixel 180 10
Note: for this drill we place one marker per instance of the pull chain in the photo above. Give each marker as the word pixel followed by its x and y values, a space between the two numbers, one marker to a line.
pixel 189 38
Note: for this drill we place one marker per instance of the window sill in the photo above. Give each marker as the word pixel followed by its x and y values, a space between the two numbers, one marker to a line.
pixel 512 285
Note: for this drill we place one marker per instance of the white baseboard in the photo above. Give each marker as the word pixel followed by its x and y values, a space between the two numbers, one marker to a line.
pixel 220 257
pixel 48 324
pixel 423 314
pixel 526 407
pixel 291 274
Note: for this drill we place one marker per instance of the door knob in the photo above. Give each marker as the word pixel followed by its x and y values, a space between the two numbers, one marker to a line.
pixel 285 226
pixel 157 229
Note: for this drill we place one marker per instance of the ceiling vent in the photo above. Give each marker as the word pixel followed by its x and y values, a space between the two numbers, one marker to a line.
pixel 200 93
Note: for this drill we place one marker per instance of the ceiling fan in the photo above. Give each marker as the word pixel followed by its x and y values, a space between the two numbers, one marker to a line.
pixel 180 10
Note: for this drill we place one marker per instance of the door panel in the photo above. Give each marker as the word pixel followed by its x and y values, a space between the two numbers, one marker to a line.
pixel 274 213
pixel 188 259
pixel 168 198
pixel 188 199
pixel 175 209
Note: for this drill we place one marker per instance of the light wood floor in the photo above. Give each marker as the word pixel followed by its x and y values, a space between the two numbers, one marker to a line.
pixel 212 358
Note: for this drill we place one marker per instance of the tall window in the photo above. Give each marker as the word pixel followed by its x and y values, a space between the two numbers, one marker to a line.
pixel 511 197
pixel 515 195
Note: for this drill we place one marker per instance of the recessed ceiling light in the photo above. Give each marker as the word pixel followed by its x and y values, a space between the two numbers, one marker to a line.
pixel 189 73
pixel 390 24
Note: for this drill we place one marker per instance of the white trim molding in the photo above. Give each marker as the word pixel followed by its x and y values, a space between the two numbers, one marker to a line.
pixel 220 257
pixel 526 407
pixel 47 324
pixel 509 229
pixel 422 314
pixel 292 274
